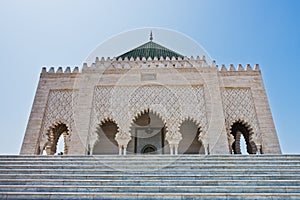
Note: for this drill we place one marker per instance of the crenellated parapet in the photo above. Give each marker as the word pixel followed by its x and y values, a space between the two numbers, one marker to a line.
pixel 135 63
pixel 149 63
pixel 239 68
pixel 60 70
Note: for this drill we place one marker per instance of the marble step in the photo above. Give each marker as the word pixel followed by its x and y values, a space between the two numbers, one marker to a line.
pixel 135 167
pixel 154 176
pixel 150 177
pixel 153 163
pixel 145 188
pixel 157 182
pixel 158 157
pixel 145 195
pixel 151 171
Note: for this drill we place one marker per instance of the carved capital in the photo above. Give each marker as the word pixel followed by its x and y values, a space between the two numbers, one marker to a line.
pixel 122 138
pixel 173 137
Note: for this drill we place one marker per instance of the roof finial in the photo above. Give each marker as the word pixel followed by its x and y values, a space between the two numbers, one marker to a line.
pixel 151 36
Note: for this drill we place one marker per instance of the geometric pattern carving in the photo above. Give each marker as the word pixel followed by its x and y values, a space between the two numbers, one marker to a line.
pixel 59 109
pixel 193 103
pixel 239 106
pixel 172 104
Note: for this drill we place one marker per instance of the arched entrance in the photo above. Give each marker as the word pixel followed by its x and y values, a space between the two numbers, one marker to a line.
pixel 149 149
pixel 55 133
pixel 148 132
pixel 239 130
pixel 106 143
pixel 190 143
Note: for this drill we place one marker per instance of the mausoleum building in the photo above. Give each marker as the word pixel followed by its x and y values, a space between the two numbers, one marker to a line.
pixel 151 100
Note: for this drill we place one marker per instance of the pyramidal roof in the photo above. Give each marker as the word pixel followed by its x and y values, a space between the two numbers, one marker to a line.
pixel 150 49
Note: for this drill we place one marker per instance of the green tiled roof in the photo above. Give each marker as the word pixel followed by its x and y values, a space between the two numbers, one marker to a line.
pixel 150 49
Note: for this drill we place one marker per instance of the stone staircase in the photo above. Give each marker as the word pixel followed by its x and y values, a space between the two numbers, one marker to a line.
pixel 150 177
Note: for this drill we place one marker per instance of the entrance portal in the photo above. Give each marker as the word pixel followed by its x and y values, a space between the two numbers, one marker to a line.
pixel 149 140
pixel 149 149
pixel 149 135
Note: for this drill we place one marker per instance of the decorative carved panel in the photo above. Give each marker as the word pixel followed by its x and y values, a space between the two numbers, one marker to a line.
pixel 172 104
pixel 239 106
pixel 59 109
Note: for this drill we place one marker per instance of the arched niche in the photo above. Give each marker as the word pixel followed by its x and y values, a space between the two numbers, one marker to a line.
pixel 190 143
pixel 238 130
pixel 106 143
pixel 58 131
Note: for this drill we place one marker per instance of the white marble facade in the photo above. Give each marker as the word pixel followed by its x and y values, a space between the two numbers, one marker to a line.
pixel 173 90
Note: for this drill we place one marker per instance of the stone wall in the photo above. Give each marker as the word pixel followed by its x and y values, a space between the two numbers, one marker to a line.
pixel 174 89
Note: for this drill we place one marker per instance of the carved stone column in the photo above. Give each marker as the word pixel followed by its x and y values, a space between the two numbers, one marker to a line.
pixel 173 139
pixel 256 139
pixel 230 142
pixel 258 146
pixel 122 138
pixel 66 142
pixel 203 141
pixel 43 144
pixel 48 148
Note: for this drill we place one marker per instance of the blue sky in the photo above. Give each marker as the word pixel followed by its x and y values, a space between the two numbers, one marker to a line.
pixel 37 33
